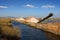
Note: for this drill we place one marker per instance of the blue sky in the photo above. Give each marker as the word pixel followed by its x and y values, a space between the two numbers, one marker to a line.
pixel 26 8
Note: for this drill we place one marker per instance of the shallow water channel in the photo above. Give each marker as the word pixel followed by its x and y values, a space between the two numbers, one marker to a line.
pixel 29 33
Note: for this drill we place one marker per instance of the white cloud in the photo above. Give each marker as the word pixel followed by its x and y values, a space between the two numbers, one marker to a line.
pixel 30 6
pixel 47 6
pixel 3 7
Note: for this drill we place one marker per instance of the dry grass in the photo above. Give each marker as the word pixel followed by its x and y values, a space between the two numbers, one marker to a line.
pixel 10 31
pixel 7 29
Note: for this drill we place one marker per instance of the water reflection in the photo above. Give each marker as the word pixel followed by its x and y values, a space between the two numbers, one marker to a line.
pixel 29 33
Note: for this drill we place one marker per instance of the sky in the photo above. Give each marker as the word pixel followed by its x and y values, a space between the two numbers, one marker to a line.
pixel 26 8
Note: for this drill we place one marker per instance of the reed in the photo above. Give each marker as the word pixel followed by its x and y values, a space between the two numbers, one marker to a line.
pixel 7 31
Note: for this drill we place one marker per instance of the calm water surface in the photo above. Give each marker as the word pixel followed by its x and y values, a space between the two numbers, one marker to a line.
pixel 29 33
